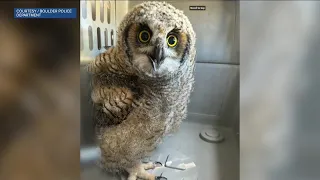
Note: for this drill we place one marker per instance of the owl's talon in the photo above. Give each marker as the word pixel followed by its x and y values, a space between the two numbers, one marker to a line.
pixel 157 164
pixel 161 178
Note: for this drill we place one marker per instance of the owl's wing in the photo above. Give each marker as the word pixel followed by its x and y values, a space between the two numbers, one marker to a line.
pixel 102 62
pixel 111 105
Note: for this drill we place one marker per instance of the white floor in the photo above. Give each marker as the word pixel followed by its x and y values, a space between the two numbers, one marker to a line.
pixel 213 161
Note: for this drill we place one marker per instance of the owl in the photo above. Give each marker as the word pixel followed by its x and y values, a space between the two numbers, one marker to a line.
pixel 141 87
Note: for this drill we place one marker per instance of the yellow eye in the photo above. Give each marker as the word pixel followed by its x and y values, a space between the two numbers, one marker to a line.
pixel 144 36
pixel 172 40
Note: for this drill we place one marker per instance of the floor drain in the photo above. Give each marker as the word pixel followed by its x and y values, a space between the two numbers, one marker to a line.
pixel 211 135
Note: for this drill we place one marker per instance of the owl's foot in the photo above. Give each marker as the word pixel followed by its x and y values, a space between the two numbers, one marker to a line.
pixel 151 165
pixel 140 171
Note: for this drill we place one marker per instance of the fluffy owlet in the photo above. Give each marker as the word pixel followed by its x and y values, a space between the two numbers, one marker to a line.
pixel 141 87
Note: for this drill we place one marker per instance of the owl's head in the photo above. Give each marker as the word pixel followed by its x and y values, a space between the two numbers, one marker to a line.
pixel 157 39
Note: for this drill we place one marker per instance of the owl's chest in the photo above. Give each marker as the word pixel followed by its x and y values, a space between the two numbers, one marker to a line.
pixel 168 106
pixel 168 100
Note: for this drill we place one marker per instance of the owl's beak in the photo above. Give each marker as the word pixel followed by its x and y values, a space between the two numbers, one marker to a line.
pixel 153 63
pixel 157 57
